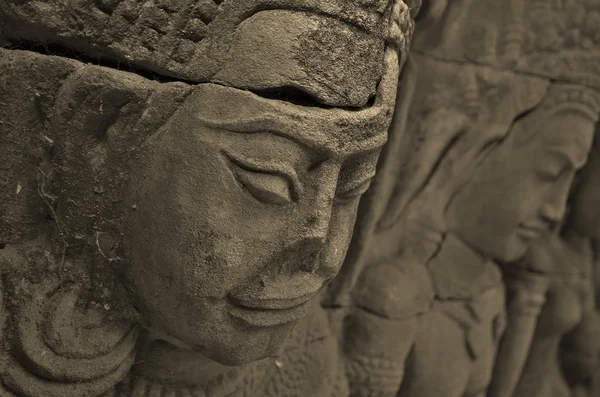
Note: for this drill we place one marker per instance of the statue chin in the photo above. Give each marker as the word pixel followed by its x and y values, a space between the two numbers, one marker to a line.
pixel 158 347
pixel 155 334
pixel 260 344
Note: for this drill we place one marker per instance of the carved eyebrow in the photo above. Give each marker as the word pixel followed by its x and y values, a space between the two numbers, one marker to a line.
pixel 267 167
pixel 252 113
pixel 301 96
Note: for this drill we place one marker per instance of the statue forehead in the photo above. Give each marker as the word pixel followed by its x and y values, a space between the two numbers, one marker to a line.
pixel 338 131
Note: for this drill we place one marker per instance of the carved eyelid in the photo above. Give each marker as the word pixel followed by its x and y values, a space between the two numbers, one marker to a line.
pixel 555 169
pixel 552 168
pixel 564 159
pixel 354 186
pixel 548 171
pixel 552 175
pixel 266 167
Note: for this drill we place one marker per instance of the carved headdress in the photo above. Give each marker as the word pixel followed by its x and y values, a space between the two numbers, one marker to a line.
pixel 207 40
pixel 562 95
pixel 559 97
pixel 558 40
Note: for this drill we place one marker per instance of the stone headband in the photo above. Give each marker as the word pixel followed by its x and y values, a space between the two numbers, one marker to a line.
pixel 563 96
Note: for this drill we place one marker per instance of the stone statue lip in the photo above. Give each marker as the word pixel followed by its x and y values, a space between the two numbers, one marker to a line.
pixel 531 231
pixel 264 318
pixel 272 304
pixel 282 301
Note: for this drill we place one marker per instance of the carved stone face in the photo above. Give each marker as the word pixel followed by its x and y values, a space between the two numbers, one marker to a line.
pixel 245 206
pixel 521 189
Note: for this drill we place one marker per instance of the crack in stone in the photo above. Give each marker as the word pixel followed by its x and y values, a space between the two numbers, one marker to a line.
pixel 104 61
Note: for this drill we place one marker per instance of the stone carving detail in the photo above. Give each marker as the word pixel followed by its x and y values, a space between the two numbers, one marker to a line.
pixel 183 180
pixel 414 293
pixel 59 350
pixel 471 187
pixel 274 198
pixel 554 39
pixel 186 39
pixel 580 352
pixel 570 110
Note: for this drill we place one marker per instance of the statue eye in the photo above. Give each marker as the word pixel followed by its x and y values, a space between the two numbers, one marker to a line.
pixel 265 182
pixel 265 187
pixel 550 173
pixel 354 192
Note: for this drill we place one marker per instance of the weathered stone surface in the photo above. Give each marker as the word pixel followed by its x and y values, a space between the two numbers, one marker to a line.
pixel 554 39
pixel 478 173
pixel 209 41
pixel 272 198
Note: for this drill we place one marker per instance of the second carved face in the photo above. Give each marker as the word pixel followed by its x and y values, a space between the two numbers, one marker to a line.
pixel 521 190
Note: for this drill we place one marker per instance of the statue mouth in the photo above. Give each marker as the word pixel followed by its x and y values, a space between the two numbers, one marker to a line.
pixel 272 304
pixel 531 231
pixel 265 318
pixel 277 304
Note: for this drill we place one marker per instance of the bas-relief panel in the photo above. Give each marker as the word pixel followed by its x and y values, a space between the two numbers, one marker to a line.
pixel 168 226
pixel 502 184
pixel 482 212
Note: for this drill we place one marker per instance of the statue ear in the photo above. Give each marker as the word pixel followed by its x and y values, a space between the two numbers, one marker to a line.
pixel 99 106
pixel 93 108
pixel 93 101
pixel 99 120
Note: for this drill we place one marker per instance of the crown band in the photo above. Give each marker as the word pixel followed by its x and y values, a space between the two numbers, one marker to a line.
pixel 561 95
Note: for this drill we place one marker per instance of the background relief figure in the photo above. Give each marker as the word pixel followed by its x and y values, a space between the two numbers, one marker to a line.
pixel 565 350
pixel 580 356
pixel 438 291
pixel 452 200
pixel 558 135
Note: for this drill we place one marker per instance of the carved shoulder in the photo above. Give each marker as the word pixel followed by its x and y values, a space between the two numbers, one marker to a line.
pixel 395 289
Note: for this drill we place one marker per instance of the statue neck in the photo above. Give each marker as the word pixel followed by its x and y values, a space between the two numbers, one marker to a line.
pixel 460 272
pixel 168 361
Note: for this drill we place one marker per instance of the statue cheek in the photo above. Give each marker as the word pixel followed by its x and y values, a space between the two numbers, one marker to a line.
pixel 487 216
pixel 222 262
pixel 340 234
pixel 512 201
